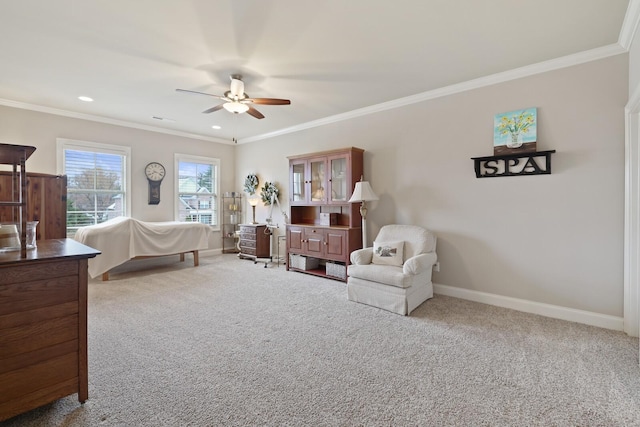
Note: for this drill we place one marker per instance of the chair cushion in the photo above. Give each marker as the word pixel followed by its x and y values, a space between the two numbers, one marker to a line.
pixel 388 253
pixel 384 274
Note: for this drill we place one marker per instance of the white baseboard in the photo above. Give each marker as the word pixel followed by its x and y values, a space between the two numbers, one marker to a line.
pixel 548 310
pixel 209 252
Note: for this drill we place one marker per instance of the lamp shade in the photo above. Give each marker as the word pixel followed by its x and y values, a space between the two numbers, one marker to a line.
pixel 253 201
pixel 363 193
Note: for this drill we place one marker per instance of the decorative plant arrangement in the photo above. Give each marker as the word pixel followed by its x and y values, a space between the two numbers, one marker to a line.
pixel 251 184
pixel 268 189
pixel 515 130
pixel 515 125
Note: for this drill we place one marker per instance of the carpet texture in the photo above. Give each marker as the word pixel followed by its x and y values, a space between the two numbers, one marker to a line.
pixel 230 343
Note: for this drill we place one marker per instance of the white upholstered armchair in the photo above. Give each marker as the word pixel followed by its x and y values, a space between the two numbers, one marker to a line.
pixel 395 274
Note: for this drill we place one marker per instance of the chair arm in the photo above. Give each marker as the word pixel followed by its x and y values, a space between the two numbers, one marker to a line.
pixel 361 256
pixel 419 263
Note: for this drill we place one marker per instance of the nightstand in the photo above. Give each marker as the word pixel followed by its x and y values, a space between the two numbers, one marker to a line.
pixel 255 241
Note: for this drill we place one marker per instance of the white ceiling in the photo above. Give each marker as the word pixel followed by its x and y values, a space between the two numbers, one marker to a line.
pixel 329 57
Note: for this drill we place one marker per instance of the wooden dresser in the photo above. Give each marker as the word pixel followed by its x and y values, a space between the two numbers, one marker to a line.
pixel 43 325
pixel 255 241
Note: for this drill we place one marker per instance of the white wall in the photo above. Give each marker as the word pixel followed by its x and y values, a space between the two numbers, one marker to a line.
pixel 634 63
pixel 555 239
pixel 41 130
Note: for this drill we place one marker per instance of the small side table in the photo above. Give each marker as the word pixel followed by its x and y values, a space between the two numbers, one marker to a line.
pixel 255 241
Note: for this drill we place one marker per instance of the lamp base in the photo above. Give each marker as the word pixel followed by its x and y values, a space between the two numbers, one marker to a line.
pixel 363 213
pixel 254 216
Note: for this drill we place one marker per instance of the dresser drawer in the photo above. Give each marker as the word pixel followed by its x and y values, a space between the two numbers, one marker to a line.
pixel 53 374
pixel 247 229
pixel 27 273
pixel 37 294
pixel 247 236
pixel 247 243
pixel 248 251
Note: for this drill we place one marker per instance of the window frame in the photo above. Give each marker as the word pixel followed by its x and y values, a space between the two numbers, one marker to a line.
pixel 63 144
pixel 215 162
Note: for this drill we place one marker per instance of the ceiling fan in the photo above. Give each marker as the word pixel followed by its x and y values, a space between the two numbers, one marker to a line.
pixel 237 101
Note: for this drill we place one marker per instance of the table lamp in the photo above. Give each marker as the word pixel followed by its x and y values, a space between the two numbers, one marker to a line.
pixel 253 201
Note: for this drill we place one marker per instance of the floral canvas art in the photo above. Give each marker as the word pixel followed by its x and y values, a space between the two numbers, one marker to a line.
pixel 515 132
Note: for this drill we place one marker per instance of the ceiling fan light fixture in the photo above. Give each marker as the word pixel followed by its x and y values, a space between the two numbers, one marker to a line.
pixel 236 107
pixel 236 101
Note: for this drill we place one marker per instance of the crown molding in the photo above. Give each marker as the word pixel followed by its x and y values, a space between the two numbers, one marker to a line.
pixel 517 73
pixel 106 120
pixel 630 24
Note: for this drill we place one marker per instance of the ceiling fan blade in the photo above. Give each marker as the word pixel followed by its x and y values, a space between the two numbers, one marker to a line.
pixel 268 101
pixel 200 93
pixel 212 109
pixel 255 113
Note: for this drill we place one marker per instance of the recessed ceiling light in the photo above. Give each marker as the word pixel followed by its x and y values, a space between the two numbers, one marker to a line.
pixel 216 127
pixel 85 99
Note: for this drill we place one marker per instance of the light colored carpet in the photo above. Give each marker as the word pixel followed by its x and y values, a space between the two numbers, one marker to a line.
pixel 230 343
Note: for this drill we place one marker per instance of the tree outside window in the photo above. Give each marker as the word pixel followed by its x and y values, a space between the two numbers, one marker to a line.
pixel 197 190
pixel 95 187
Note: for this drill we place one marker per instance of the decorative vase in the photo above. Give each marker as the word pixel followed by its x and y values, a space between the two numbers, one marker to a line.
pixel 516 140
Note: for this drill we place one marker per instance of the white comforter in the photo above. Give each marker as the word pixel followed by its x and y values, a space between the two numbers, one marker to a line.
pixel 121 239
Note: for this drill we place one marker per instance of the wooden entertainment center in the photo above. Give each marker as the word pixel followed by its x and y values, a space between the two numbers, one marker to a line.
pixel 325 228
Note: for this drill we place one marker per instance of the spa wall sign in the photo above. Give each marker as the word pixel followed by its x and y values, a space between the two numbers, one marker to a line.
pixel 514 147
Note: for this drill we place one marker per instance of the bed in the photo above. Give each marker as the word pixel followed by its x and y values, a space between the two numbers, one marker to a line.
pixel 121 239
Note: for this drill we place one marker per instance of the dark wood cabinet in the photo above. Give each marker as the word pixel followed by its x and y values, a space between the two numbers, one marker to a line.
pixel 325 178
pixel 322 183
pixel 46 203
pixel 329 243
pixel 255 241
pixel 336 244
pixel 43 324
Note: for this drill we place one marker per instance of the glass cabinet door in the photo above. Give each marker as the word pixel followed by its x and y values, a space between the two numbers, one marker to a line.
pixel 339 179
pixel 297 185
pixel 318 180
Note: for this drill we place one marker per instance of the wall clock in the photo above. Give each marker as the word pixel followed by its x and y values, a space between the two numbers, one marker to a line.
pixel 155 174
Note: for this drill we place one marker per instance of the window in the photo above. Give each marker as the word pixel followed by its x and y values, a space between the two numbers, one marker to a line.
pixel 197 183
pixel 97 182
